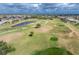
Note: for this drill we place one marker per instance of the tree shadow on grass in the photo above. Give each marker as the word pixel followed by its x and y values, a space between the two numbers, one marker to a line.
pixel 53 51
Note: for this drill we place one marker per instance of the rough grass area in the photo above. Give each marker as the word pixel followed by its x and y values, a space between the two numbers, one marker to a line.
pixel 40 39
pixel 59 27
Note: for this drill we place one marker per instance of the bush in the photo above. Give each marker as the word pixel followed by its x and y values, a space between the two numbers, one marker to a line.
pixel 38 25
pixel 53 38
pixel 5 48
pixel 31 33
pixel 53 41
pixel 51 19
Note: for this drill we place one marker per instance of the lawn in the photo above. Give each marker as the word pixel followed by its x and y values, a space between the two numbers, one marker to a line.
pixel 40 40
pixel 27 45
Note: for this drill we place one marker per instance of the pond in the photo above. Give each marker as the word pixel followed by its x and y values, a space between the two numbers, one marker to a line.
pixel 23 24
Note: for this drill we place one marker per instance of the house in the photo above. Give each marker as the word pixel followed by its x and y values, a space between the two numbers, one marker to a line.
pixel 69 19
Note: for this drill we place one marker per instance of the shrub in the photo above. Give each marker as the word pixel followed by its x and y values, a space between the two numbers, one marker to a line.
pixel 31 33
pixel 51 19
pixel 53 41
pixel 54 38
pixel 5 48
pixel 38 25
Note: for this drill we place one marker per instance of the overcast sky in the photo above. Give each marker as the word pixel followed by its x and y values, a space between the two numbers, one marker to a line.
pixel 39 8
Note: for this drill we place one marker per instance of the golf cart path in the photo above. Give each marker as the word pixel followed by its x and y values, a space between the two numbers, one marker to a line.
pixel 73 29
pixel 67 43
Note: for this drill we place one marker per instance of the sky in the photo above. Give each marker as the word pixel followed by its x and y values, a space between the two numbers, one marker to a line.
pixel 39 8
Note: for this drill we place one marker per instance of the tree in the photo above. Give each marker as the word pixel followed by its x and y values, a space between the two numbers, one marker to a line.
pixel 5 48
pixel 38 26
pixel 31 33
pixel 53 38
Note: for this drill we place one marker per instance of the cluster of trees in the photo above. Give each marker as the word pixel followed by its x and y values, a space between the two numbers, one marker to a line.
pixel 39 17
pixel 5 48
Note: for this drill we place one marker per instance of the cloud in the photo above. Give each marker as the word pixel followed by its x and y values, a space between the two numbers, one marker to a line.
pixel 37 7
